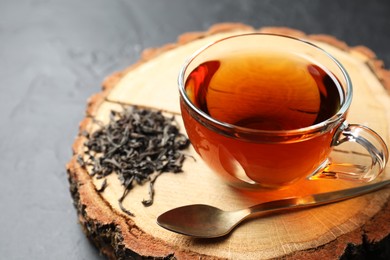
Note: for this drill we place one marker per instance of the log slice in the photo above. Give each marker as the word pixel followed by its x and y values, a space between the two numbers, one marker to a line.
pixel 359 226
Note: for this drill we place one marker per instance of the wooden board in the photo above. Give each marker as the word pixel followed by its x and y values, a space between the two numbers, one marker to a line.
pixel 317 232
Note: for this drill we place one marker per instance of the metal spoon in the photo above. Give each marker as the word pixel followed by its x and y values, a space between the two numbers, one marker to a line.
pixel 205 221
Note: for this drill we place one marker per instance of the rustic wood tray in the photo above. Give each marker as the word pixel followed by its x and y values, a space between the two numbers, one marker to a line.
pixel 320 232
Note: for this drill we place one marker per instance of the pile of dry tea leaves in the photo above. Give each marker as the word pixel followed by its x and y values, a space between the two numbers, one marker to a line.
pixel 138 145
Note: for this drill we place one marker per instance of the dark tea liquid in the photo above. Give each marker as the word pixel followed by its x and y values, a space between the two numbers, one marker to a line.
pixel 265 91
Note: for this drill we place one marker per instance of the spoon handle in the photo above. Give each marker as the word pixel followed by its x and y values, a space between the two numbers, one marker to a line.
pixel 316 199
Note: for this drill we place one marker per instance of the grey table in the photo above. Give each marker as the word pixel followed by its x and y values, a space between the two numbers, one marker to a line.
pixel 54 54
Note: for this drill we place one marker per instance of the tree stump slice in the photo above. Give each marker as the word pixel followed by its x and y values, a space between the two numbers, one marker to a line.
pixel 322 232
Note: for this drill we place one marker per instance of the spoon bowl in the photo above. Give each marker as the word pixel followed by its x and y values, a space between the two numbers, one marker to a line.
pixel 201 220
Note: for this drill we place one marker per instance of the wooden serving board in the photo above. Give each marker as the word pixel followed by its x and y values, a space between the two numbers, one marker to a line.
pixel 312 233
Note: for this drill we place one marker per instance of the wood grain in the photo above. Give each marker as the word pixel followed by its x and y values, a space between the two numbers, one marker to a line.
pixel 321 231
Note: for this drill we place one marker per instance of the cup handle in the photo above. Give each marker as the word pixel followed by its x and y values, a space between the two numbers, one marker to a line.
pixel 367 138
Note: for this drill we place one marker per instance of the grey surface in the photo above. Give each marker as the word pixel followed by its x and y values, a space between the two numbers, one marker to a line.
pixel 54 54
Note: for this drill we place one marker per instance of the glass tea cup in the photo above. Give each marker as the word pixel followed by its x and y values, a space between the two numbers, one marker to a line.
pixel 265 110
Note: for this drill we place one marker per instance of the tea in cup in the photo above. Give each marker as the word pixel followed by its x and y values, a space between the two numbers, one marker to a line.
pixel 265 110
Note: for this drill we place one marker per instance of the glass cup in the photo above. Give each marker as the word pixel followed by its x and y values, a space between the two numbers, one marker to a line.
pixel 265 110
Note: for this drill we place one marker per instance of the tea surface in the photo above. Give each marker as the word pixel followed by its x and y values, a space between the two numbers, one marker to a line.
pixel 265 91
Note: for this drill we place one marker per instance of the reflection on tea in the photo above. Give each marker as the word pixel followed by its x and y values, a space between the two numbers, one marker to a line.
pixel 265 91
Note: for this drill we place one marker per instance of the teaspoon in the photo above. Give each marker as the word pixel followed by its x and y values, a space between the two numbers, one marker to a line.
pixel 206 221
